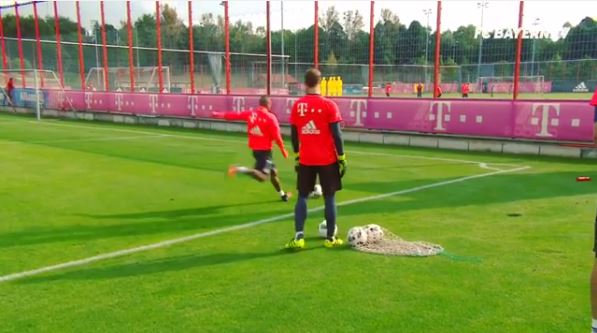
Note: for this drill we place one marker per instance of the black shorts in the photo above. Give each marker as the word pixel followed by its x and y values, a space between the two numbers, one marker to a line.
pixel 464 95
pixel 263 161
pixel 329 178
pixel 595 115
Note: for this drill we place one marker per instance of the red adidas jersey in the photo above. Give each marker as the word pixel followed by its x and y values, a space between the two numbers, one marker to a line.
pixel 594 99
pixel 312 116
pixel 262 128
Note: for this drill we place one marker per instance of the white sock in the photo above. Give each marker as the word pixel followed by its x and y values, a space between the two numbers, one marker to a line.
pixel 281 193
pixel 594 326
pixel 299 235
pixel 242 169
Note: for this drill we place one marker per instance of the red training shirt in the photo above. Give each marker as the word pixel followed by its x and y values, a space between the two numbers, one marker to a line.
pixel 262 128
pixel 312 116
pixel 465 88
pixel 594 99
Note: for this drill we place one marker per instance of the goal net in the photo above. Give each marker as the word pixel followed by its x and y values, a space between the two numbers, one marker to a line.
pixel 33 90
pixel 146 78
pixel 505 84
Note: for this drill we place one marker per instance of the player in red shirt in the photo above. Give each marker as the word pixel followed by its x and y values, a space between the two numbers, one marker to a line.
pixel 317 141
pixel 262 129
pixel 388 89
pixel 9 89
pixel 465 88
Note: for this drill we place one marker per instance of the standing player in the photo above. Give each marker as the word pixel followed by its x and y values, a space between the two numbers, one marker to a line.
pixel 594 103
pixel 10 87
pixel 317 143
pixel 465 88
pixel 262 128
pixel 388 89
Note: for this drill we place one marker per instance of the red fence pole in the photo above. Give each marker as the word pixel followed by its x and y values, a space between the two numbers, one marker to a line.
pixel 227 45
pixel 80 40
pixel 104 48
pixel 518 51
pixel 316 36
pixel 371 48
pixel 58 44
pixel 268 47
pixel 40 65
pixel 159 42
pixel 438 35
pixel 4 58
pixel 20 45
pixel 191 49
pixel 129 28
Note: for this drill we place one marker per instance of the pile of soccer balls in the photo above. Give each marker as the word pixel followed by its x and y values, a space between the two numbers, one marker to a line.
pixel 357 236
pixel 360 236
pixel 373 238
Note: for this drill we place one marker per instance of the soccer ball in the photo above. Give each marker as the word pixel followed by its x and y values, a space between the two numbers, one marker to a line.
pixel 357 236
pixel 323 229
pixel 317 192
pixel 374 233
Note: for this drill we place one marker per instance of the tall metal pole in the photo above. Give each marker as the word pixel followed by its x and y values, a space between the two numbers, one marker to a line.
pixel 58 44
pixel 427 12
pixel 104 48
pixel 80 42
pixel 438 34
pixel 371 48
pixel 227 46
pixel 129 28
pixel 4 57
pixel 518 51
pixel 38 42
pixel 316 37
pixel 535 24
pixel 159 42
pixel 268 48
pixel 282 40
pixel 20 45
pixel 191 49
pixel 482 5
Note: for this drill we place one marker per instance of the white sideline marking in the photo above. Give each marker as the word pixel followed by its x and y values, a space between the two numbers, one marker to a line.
pixel 482 165
pixel 74 140
pixel 166 243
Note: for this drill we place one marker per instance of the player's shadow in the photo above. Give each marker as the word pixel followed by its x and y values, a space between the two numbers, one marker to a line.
pixel 144 223
pixel 491 190
pixel 159 266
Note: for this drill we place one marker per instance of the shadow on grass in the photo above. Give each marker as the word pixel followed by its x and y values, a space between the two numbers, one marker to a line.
pixel 159 266
pixel 143 223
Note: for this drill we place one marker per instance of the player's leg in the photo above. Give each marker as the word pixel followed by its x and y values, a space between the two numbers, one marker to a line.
pixel 595 125
pixel 275 179
pixel 260 171
pixel 305 179
pixel 331 182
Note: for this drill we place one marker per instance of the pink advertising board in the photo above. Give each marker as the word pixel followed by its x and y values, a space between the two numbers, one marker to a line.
pixel 530 119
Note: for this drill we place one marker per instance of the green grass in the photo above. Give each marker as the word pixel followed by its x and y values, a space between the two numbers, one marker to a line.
pixel 72 190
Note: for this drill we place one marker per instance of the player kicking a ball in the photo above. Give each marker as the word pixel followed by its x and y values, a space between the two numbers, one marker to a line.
pixel 317 143
pixel 262 129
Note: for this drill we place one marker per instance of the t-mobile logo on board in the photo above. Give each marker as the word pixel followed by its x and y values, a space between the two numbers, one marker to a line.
pixel 441 116
pixel 540 117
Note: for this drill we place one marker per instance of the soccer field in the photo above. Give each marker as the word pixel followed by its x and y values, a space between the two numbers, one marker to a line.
pixel 517 233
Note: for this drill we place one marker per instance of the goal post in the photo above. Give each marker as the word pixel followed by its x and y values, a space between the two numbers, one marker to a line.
pixel 146 78
pixel 505 84
pixel 31 89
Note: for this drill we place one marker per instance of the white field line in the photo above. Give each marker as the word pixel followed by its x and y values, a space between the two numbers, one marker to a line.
pixel 166 243
pixel 94 139
pixel 483 165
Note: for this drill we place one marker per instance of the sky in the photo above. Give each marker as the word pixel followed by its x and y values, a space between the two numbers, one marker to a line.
pixel 539 15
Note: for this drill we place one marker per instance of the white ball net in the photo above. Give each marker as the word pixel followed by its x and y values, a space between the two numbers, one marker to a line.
pixel 391 244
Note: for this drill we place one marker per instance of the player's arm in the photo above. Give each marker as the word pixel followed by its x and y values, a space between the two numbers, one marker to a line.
pixel 231 116
pixel 278 137
pixel 337 135
pixel 334 119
